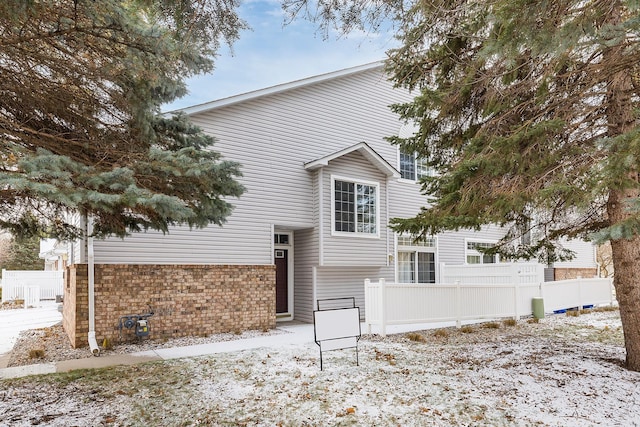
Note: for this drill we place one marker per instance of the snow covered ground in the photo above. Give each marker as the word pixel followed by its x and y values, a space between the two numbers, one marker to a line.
pixel 14 321
pixel 564 371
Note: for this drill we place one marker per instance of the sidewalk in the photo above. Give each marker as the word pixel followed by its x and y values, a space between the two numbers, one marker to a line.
pixel 294 334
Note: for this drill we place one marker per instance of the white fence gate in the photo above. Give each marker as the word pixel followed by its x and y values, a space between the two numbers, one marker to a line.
pixel 31 286
pixel 394 304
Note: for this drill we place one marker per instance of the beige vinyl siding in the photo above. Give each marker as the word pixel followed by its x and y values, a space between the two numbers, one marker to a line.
pixel 272 137
pixel 345 282
pixel 235 243
pixel 76 252
pixel 306 258
pixel 451 245
pixel 275 135
pixel 406 199
pixel 348 249
pixel 406 202
pixel 585 255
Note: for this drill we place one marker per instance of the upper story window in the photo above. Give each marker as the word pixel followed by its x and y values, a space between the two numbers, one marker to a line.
pixel 413 167
pixel 475 256
pixel 355 207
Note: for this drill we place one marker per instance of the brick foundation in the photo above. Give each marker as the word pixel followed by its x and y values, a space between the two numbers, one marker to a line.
pixel 188 300
pixel 574 273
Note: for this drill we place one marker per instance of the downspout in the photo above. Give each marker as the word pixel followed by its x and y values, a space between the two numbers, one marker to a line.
pixel 93 345
pixel 387 220
pixel 320 218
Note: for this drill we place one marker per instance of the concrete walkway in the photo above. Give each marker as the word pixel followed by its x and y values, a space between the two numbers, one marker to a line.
pixel 19 320
pixel 294 334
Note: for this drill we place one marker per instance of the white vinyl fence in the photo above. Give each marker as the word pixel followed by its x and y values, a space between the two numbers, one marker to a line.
pixel 394 304
pixel 494 274
pixel 31 286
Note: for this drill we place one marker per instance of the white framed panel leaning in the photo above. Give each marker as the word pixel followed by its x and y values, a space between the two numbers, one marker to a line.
pixel 337 328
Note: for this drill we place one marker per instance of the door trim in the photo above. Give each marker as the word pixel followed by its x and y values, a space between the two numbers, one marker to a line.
pixel 288 315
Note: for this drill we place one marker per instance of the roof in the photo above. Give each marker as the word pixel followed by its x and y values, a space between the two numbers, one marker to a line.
pixel 364 149
pixel 51 248
pixel 276 89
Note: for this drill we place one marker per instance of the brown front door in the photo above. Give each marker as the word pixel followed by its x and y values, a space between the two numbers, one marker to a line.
pixel 282 280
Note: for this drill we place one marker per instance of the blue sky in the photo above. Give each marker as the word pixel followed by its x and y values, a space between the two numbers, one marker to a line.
pixel 272 53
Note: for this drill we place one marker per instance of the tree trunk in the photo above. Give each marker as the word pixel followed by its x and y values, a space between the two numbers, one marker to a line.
pixel 626 267
pixel 626 250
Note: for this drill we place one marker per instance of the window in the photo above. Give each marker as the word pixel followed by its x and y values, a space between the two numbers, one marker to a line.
pixel 355 207
pixel 475 256
pixel 404 240
pixel 413 167
pixel 416 260
pixel 281 239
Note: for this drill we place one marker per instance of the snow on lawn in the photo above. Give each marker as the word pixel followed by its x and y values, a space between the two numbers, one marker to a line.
pixel 564 371
pixel 524 382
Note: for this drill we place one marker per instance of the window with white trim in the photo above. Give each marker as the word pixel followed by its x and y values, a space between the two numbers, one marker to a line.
pixel 475 256
pixel 416 260
pixel 413 167
pixel 355 207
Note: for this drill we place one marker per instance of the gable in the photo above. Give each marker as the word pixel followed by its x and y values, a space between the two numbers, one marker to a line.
pixel 277 89
pixel 365 150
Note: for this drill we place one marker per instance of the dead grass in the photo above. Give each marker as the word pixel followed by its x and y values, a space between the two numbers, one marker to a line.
pixel 415 337
pixel 467 329
pixel 441 333
pixel 509 322
pixel 605 309
pixel 37 353
pixel 468 380
pixel 491 325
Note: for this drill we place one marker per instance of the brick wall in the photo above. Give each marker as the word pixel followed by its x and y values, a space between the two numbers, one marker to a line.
pixel 75 307
pixel 574 273
pixel 188 300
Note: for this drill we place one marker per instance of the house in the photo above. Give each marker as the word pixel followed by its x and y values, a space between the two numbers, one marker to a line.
pixel 321 183
pixel 53 253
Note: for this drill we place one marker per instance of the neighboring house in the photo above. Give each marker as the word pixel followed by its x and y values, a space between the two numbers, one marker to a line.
pixel 54 254
pixel 321 183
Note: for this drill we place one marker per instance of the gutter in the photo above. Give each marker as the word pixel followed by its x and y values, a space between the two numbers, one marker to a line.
pixel 91 337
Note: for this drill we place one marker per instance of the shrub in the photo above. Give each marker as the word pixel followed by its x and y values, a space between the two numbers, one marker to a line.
pixel 36 354
pixel 441 333
pixel 415 337
pixel 491 325
pixel 467 329
pixel 509 322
